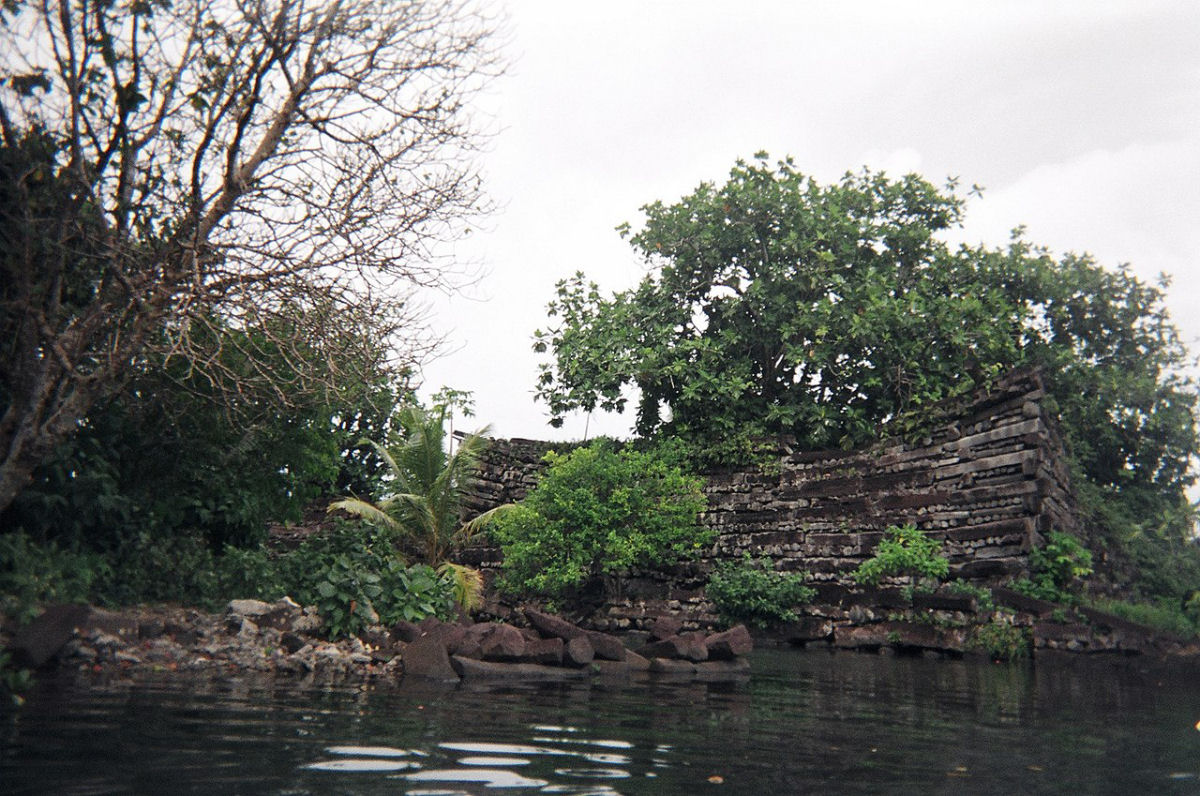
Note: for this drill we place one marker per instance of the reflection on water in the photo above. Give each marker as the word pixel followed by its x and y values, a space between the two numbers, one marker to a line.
pixel 804 722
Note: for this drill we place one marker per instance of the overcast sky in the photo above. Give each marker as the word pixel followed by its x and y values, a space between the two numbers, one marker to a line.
pixel 1081 120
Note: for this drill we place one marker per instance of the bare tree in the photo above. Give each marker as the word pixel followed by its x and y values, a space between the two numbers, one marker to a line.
pixel 281 166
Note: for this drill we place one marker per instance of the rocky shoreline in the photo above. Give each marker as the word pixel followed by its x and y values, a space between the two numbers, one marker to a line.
pixel 284 638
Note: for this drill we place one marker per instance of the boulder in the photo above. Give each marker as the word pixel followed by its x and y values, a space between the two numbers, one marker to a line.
pixel 618 670
pixel 636 662
pixel 688 648
pixel 672 668
pixel 406 631
pixel 665 627
pixel 552 626
pixel 732 643
pixel 501 642
pixel 41 639
pixel 607 647
pixel 578 652
pixel 472 669
pixel 427 658
pixel 544 651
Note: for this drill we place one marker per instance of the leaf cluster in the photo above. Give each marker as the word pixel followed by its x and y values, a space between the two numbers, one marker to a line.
pixel 751 591
pixel 904 550
pixel 597 511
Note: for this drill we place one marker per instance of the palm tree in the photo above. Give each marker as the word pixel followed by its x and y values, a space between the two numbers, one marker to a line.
pixel 427 483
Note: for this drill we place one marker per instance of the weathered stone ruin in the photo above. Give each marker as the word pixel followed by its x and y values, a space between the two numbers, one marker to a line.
pixel 987 482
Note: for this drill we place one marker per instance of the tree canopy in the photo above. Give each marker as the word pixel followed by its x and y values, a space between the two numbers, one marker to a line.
pixel 173 171
pixel 774 304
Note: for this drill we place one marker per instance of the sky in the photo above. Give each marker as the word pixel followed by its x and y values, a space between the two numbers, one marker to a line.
pixel 1081 120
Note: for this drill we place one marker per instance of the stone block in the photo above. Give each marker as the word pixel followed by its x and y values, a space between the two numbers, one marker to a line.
pixel 427 658
pixel 41 639
pixel 730 644
pixel 578 652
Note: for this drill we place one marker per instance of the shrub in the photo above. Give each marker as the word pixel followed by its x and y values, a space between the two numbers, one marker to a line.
pixel 32 574
pixel 1057 567
pixel 355 578
pixel 597 511
pixel 1001 641
pixel 904 550
pixel 751 591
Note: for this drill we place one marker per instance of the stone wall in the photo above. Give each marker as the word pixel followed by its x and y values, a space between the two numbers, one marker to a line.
pixel 988 483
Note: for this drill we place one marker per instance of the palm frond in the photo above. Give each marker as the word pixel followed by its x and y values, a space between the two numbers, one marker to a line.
pixel 467 584
pixel 367 511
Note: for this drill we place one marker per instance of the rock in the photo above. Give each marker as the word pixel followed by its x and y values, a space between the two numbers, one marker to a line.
pixel 552 626
pixel 578 652
pixel 544 651
pixel 603 645
pixel 97 620
pixel 607 647
pixel 406 631
pixel 611 669
pixel 427 658
pixel 250 608
pixel 665 627
pixel 151 627
pixel 282 615
pixel 636 662
pixel 472 669
pixel 806 629
pixel 689 648
pixel 292 642
pixel 41 639
pixel 672 667
pixel 502 643
pixel 732 643
pixel 864 637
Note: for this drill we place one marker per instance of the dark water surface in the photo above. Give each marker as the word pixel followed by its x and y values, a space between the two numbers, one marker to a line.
pixel 804 722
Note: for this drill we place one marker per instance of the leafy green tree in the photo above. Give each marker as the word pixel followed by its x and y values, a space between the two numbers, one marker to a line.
pixel 597 511
pixel 423 503
pixel 166 457
pixel 778 305
pixel 169 169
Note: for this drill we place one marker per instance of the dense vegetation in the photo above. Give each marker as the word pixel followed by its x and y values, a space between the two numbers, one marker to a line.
pixel 832 313
pixel 596 511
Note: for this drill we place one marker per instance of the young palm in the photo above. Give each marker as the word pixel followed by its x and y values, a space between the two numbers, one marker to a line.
pixel 428 483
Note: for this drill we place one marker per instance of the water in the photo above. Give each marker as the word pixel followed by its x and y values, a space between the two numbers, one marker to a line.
pixel 805 722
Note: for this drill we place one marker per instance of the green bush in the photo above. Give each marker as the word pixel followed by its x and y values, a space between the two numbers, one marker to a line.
pixel 1001 640
pixel 33 574
pixel 1164 615
pixel 597 511
pixel 355 578
pixel 750 591
pixel 904 550
pixel 1057 568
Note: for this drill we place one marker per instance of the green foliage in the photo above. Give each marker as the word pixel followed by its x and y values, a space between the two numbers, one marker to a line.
pixel 13 681
pixel 355 578
pixel 751 591
pixel 1057 568
pixel 962 588
pixel 33 574
pixel 1164 615
pixel 171 457
pixel 904 551
pixel 597 511
pixel 777 305
pixel 1001 640
pixel 423 504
